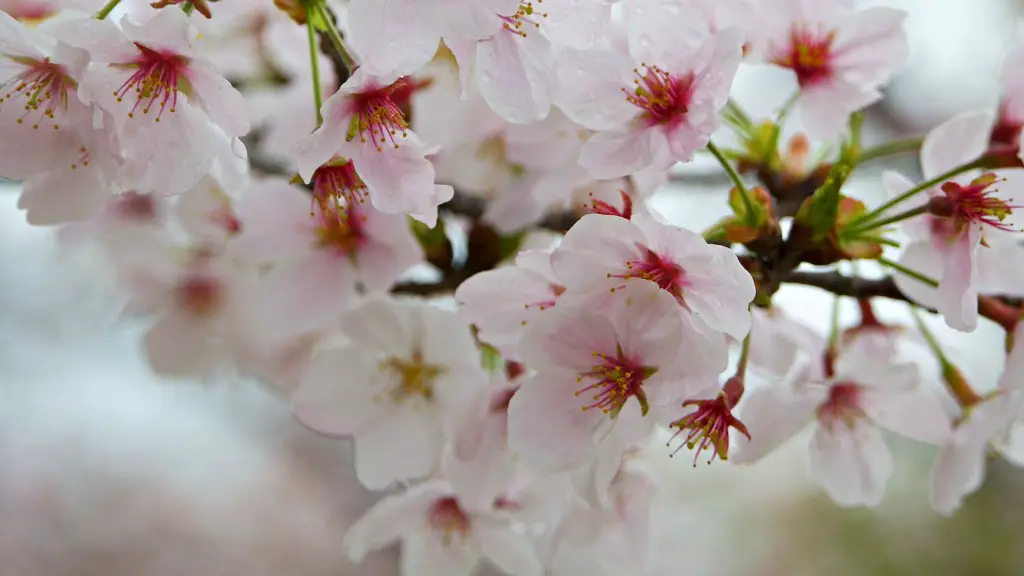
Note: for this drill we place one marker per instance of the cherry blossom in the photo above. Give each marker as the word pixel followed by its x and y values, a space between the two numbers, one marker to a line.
pixel 653 106
pixel 605 252
pixel 850 400
pixel 320 254
pixel 777 341
pixel 594 373
pixel 967 241
pixel 409 370
pixel 165 99
pixel 840 56
pixel 993 423
pixel 442 535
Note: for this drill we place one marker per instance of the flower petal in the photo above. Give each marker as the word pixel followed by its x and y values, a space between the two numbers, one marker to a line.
pixel 852 463
pixel 338 395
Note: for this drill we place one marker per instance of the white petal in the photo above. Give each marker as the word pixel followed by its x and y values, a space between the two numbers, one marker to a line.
pixel 852 463
pixel 338 395
pixel 509 551
pixel 916 414
pixel 960 467
pixel 404 446
pixel 428 554
pixel 179 346
pixel 773 415
pixel 955 142
pixel 219 99
pixel 391 518
pixel 958 287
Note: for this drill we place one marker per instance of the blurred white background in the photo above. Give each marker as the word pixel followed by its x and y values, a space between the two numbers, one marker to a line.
pixel 106 470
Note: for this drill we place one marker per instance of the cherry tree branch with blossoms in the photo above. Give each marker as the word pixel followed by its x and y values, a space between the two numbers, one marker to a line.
pixel 285 225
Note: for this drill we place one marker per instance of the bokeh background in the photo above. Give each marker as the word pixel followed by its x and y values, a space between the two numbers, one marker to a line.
pixel 107 470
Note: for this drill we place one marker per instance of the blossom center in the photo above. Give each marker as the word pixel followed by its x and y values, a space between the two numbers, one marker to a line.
pixel 200 295
pixel 415 378
pixel 448 518
pixel 663 97
pixel 613 380
pixel 974 203
pixel 525 13
pixel 156 81
pixel 658 269
pixel 598 206
pixel 337 185
pixel 41 89
pixel 808 54
pixel 842 405
pixel 707 427
pixel 135 207
pixel 377 115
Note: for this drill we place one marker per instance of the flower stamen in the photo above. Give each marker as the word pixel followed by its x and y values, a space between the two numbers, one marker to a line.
pixel 613 381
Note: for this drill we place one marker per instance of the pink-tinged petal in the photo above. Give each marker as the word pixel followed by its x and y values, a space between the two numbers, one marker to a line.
pixel 958 287
pixel 391 518
pixel 338 395
pixel 595 246
pixel 384 326
pixel 916 414
pixel 547 425
pixel 276 222
pixel 502 302
pixel 537 261
pixel 221 101
pixel 649 325
pixel 704 353
pixel 479 463
pixel 189 139
pixel 465 53
pixel 15 42
pixel 510 551
pixel 1013 82
pixel 166 30
pixel 403 445
pixel 852 463
pixel 63 195
pixel 776 340
pixel 26 151
pixel 311 292
pixel 955 142
pixel 179 346
pixel 826 107
pixel 427 211
pixel 773 414
pixel 1012 379
pixel 381 261
pixel 857 363
pixel 430 553
pixel 960 467
pixel 589 88
pixel 718 289
pixel 565 339
pixel 613 154
pixel 513 77
pixel 102 39
pixel 592 481
pixel 316 149
pixel 399 179
pixel 579 24
pixel 471 19
pixel 871 45
pixel 392 36
pixel 923 257
pixel 446 338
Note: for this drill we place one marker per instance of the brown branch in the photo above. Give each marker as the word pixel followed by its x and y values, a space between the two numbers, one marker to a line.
pixel 851 286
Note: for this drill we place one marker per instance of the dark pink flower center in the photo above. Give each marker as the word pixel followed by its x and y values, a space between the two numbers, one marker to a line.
pixel 377 115
pixel 134 207
pixel 661 270
pixel 708 426
pixel 974 203
pixel 157 78
pixel 448 518
pixel 613 380
pixel 200 295
pixel 524 14
pixel 842 405
pixel 337 185
pixel 41 89
pixel 598 206
pixel 343 234
pixel 663 97
pixel 808 53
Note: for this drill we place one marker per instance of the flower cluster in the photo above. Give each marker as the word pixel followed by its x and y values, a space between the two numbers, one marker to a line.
pixel 276 183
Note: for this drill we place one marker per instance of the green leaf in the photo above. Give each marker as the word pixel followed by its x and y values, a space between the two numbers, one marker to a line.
pixel 509 244
pixel 428 237
pixel 819 212
pixel 490 358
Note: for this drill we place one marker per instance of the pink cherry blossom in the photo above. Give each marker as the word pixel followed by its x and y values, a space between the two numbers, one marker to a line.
pixel 971 248
pixel 654 106
pixel 602 253
pixel 840 56
pixel 992 423
pixel 777 341
pixel 850 401
pixel 1006 134
pixel 207 213
pixel 364 127
pixel 165 99
pixel 40 115
pixel 502 302
pixel 595 373
pixel 441 534
pixel 400 37
pixel 408 372
pixel 319 257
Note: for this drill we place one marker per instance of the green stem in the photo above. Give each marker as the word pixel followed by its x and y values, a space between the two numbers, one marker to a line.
pixel 890 148
pixel 741 366
pixel 107 9
pixel 783 113
pixel 954 380
pixel 908 272
pixel 928 336
pixel 905 215
pixel 833 327
pixel 314 62
pixel 748 203
pixel 914 191
pixel 738 112
pixel 335 36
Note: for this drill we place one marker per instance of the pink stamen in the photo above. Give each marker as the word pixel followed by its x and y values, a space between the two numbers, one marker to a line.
pixel 664 98
pixel 709 424
pixel 42 89
pixel 155 81
pixel 658 269
pixel 808 54
pixel 376 115
pixel 337 185
pixel 200 295
pixel 842 405
pixel 975 203
pixel 447 517
pixel 598 206
pixel 613 381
